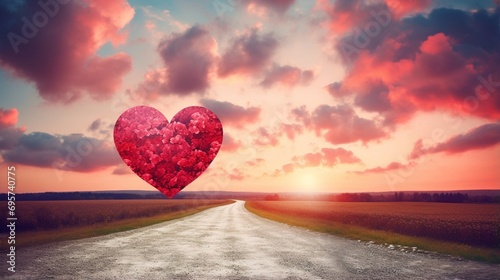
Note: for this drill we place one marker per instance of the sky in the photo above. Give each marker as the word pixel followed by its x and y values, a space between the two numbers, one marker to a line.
pixel 314 96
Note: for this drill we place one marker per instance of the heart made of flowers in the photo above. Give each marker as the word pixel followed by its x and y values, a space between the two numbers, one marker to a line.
pixel 168 156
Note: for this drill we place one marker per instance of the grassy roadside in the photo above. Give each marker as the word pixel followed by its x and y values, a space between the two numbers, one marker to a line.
pixel 31 238
pixel 381 237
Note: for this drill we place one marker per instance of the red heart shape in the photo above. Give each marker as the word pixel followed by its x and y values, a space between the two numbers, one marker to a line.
pixel 168 156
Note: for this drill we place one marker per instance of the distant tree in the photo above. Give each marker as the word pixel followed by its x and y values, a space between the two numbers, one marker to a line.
pixel 416 197
pixel 399 196
pixel 427 197
pixel 365 197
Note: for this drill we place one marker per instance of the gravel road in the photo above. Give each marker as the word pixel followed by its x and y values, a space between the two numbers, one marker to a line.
pixel 228 242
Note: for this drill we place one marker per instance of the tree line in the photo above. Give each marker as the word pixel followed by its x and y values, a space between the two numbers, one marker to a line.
pixel 447 197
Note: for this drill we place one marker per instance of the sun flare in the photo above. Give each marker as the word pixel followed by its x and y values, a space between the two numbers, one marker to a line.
pixel 308 181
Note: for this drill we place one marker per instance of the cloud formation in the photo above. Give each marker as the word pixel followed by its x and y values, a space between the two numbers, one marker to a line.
pixel 255 162
pixel 55 46
pixel 288 76
pixel 343 16
pixel 277 6
pixel 446 60
pixel 8 118
pixel 189 60
pixel 230 144
pixel 122 169
pixel 339 124
pixel 328 157
pixel 270 136
pixel 231 114
pixel 481 137
pixel 266 137
pixel 9 133
pixel 236 174
pixel 391 166
pixel 73 152
pixel 101 127
pixel 248 54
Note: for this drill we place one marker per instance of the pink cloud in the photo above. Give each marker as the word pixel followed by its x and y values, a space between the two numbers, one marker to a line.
pixel 230 144
pixel 8 118
pixel 339 124
pixel 91 80
pixel 271 136
pixel 287 76
pixel 231 114
pixel 327 157
pixel 275 173
pixel 481 137
pixel 101 127
pixel 291 130
pixel 189 60
pixel 389 167
pixel 60 57
pixel 265 137
pixel 402 8
pixel 437 77
pixel 62 152
pixel 278 6
pixel 310 159
pixel 288 168
pixel 9 133
pixel 122 169
pixel 424 63
pixel 249 53
pixel 333 157
pixel 73 152
pixel 343 16
pixel 237 175
pixel 256 162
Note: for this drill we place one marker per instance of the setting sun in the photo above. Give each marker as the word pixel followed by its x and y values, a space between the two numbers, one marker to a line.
pixel 308 181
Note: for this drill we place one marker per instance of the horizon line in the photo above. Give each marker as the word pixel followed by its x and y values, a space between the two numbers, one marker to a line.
pixel 257 192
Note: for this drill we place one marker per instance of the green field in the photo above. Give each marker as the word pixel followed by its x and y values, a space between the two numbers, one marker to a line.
pixel 470 231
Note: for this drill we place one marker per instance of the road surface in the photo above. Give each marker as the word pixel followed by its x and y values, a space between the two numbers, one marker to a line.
pixel 228 242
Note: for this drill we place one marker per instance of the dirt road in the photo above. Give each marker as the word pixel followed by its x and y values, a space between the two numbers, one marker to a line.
pixel 228 242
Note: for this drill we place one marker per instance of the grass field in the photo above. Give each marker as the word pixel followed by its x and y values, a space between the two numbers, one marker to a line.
pixel 467 230
pixel 41 222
